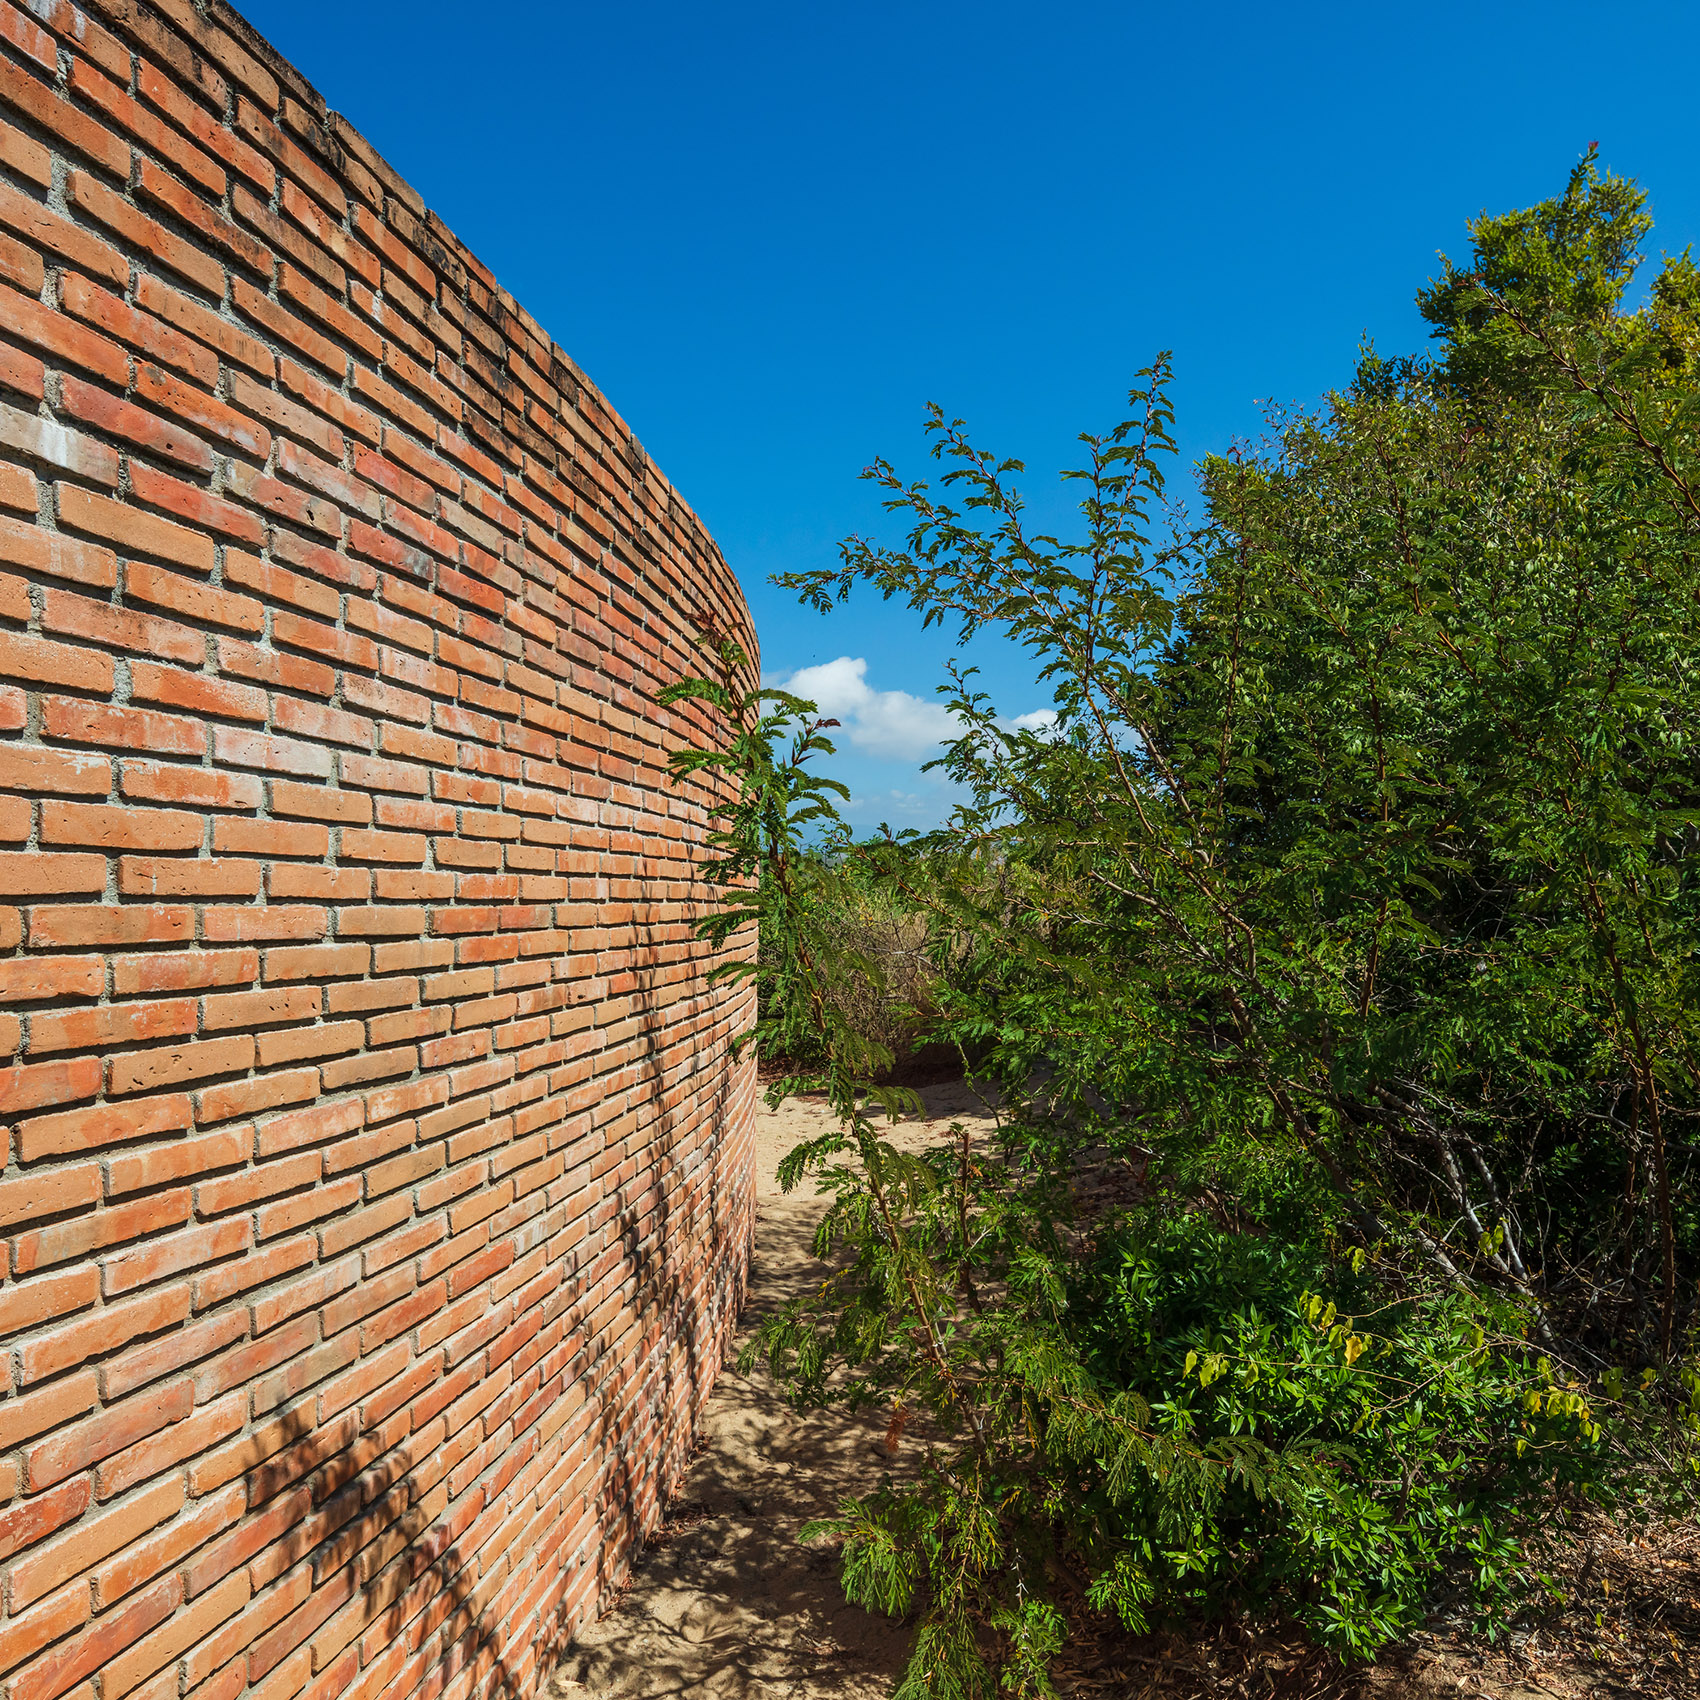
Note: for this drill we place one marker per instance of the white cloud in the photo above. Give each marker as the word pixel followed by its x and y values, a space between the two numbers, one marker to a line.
pixel 892 724
pixel 1040 720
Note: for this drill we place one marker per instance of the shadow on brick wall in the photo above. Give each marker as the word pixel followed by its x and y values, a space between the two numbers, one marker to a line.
pixel 400 1570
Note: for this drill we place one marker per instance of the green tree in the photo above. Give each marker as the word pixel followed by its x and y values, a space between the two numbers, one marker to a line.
pixel 1348 907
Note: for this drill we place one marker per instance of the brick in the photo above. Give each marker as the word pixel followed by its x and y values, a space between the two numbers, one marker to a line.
pixel 104 1125
pixel 186 1438
pixel 113 1024
pixel 35 1086
pixel 331 243
pixel 49 1622
pixel 120 418
pixel 260 1266
pixel 174 782
pixel 147 1071
pixel 25 95
pixel 30 1414
pixel 249 1097
pixel 21 266
pixel 321 802
pixel 26 1304
pixel 235 61
pixel 206 327
pixel 310 1127
pixel 144 1560
pixel 131 116
pixel 314 962
pixel 192 599
pixel 330 1039
pixel 295 506
pixel 22 372
pixel 121 728
pixel 332 403
pixel 324 310
pixel 220 698
pixel 21 1526
pixel 270 754
pixel 251 1360
pixel 269 838
pixel 159 876
pixel 61 926
pixel 326 885
pixel 15 818
pixel 130 531
pixel 163 190
pixel 287 1214
pixel 183 1159
pixel 183 971
pixel 120 628
pixel 275 670
pixel 18 489
pixel 72 1343
pixel 296 332
pixel 140 231
pixel 262 923
pixel 44 662
pixel 28 321
pixel 190 502
pixel 79 1235
pixel 258 401
pixel 206 413
pixel 33 769
pixel 47 977
pixel 348 700
pixel 265 135
pixel 94 1539
pixel 147 335
pixel 71 451
pixel 97 1647
pixel 109 827
pixel 81 1444
pixel 26 35
pixel 316 1289
pixel 35 1196
pixel 156 87
pixel 285 237
pixel 14 598
pixel 125 1271
pixel 171 1353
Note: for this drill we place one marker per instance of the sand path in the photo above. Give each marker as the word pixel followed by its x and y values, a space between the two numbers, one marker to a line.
pixel 727 1603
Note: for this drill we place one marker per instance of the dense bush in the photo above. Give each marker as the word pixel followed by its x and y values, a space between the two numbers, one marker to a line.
pixel 888 989
pixel 1349 908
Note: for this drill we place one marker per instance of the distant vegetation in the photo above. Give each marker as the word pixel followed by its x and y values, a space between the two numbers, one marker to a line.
pixel 1348 918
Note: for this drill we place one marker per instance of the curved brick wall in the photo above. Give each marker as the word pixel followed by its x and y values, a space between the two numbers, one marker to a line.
pixel 377 1189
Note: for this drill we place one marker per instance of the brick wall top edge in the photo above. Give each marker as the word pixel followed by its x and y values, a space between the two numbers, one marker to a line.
pixel 220 30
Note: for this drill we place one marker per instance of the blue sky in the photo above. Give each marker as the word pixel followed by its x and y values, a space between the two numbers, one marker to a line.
pixel 773 233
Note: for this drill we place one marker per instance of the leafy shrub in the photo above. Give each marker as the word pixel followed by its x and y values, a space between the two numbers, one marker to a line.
pixel 1351 911
pixel 1414 1422
pixel 888 992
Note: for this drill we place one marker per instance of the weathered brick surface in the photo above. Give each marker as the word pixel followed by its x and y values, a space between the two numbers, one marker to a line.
pixel 377 1184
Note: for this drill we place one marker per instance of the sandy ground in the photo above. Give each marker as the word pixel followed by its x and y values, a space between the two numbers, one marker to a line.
pixel 726 1602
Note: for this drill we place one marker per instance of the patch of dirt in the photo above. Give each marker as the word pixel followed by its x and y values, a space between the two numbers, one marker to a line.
pixel 725 1603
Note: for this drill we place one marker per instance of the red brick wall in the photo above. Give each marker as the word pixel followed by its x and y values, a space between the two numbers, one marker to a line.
pixel 377 1181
